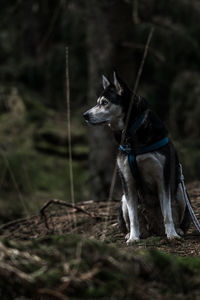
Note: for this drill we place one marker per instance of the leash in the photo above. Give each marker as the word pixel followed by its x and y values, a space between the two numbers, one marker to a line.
pixel 191 211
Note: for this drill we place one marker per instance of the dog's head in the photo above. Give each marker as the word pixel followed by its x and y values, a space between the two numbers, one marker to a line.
pixel 111 104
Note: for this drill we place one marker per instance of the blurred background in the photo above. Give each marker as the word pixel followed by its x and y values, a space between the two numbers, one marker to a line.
pixel 101 35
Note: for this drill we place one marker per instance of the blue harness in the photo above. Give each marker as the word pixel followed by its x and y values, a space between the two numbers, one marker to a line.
pixel 132 153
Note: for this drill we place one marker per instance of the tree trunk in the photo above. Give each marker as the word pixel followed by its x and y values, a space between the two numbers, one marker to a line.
pixel 100 49
pixel 107 29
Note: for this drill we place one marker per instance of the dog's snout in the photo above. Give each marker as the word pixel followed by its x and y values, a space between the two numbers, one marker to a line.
pixel 86 116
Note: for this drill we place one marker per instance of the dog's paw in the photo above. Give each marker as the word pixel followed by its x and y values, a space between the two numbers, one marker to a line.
pixel 180 232
pixel 127 236
pixel 173 236
pixel 132 240
pixel 171 233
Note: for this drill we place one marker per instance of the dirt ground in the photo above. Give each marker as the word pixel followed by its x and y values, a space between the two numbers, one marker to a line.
pixel 99 220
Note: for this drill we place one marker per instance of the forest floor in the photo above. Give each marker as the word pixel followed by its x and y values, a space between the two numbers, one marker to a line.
pixel 79 253
pixel 99 220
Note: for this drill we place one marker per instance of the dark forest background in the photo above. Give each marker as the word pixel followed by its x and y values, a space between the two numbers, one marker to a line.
pixel 101 36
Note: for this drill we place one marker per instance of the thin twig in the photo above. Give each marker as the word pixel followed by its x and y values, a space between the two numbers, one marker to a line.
pixel 69 131
pixel 137 83
pixel 63 203
pixel 15 223
pixel 131 104
pixel 52 294
pixel 112 184
pixel 127 122
pixel 8 271
pixel 159 56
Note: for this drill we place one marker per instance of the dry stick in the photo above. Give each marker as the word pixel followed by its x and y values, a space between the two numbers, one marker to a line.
pixel 52 294
pixel 16 222
pixel 137 83
pixel 69 132
pixel 131 105
pixel 127 121
pixel 63 203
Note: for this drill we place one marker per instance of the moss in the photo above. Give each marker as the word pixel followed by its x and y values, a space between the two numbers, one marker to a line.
pixel 33 175
pixel 189 263
pixel 52 277
pixel 175 271
pixel 151 241
pixel 32 170
pixel 96 292
pixel 100 269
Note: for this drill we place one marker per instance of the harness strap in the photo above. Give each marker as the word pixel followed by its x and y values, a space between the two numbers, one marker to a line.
pixel 153 147
pixel 132 153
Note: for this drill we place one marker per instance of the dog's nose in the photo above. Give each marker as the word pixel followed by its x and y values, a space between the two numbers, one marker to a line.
pixel 86 116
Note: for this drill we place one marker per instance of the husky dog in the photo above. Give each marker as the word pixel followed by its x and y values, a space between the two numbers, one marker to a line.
pixel 147 162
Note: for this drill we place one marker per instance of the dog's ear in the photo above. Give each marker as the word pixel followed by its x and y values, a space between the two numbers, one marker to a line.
pixel 105 82
pixel 119 84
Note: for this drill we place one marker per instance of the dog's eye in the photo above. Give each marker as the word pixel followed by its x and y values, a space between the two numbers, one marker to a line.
pixel 104 102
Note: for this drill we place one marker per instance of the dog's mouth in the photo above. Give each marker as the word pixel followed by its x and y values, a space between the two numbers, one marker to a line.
pixel 96 123
pixel 93 121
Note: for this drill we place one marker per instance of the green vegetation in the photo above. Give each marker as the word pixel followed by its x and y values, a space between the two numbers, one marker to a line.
pixel 33 157
pixel 85 269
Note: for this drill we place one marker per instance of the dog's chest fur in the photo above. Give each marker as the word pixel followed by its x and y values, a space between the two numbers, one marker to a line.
pixel 150 167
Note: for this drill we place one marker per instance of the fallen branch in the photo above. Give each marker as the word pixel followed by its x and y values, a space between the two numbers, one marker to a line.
pixel 15 222
pixel 10 272
pixel 63 203
pixel 52 293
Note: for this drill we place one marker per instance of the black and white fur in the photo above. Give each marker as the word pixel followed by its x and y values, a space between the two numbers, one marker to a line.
pixel 157 185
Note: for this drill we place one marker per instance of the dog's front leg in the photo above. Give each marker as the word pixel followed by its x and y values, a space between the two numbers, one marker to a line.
pixel 165 202
pixel 130 192
pixel 125 215
pixel 132 203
